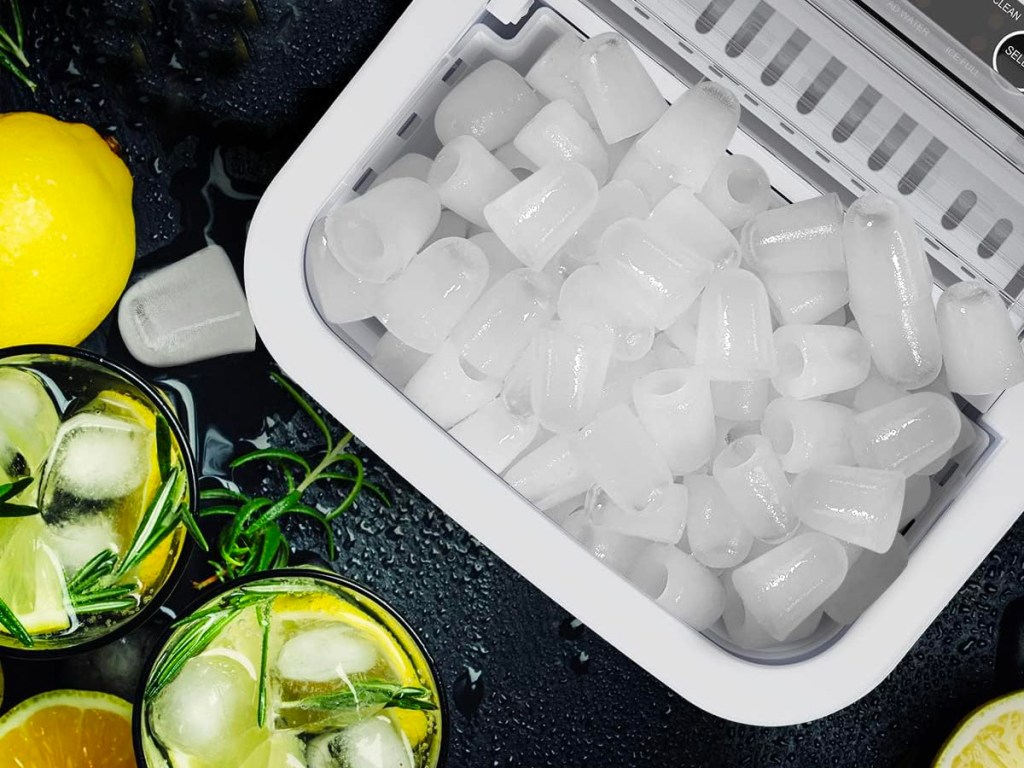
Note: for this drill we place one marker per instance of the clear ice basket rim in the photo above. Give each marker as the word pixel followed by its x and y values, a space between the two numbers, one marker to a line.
pixel 339 377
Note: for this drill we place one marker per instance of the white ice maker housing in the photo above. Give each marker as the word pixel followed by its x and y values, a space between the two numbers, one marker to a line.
pixel 833 101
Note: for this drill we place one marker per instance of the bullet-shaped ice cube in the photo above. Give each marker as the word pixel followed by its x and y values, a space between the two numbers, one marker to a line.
pixel 817 360
pixel 496 330
pixel 591 296
pixel 500 260
pixel 979 345
pixel 491 104
pixel 616 201
pixel 549 474
pixel 784 587
pixel 622 458
pixel 653 180
pixel 854 504
pixel 684 219
pixel 555 75
pixel 808 433
pixel 674 406
pixel 891 291
pixel 447 390
pixel 191 310
pixel 615 550
pixel 737 190
pixel 340 297
pixel 734 334
pixel 621 94
pixel 692 135
pixel 806 297
pixel 744 630
pixel 570 363
pixel 679 584
pixel 662 520
pixel 411 164
pixel 396 361
pixel 741 400
pixel 422 305
pixel 905 435
pixel 716 535
pixel 375 235
pixel 494 435
pixel 915 498
pixel 868 578
pixel 802 237
pixel 754 482
pixel 665 277
pixel 538 216
pixel 467 177
pixel 558 133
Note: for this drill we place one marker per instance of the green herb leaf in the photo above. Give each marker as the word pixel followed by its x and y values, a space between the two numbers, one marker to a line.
pixel 219 509
pixel 306 406
pixel 99 567
pixel 13 625
pixel 162 517
pixel 263 616
pixel 271 454
pixel 222 494
pixel 12 489
pixel 370 693
pixel 17 510
pixel 163 446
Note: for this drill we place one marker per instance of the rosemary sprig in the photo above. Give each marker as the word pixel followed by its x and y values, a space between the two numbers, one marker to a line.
pixel 369 693
pixel 263 617
pixel 201 628
pixel 12 48
pixel 10 622
pixel 252 539
pixel 10 491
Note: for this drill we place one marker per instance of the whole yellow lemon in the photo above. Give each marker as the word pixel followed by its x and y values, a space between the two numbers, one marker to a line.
pixel 67 232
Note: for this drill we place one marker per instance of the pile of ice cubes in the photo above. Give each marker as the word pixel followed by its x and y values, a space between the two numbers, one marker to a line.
pixel 734 403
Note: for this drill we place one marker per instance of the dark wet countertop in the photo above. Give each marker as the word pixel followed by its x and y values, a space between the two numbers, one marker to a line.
pixel 208 98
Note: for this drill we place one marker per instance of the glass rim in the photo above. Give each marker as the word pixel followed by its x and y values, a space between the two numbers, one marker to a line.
pixel 292 572
pixel 192 476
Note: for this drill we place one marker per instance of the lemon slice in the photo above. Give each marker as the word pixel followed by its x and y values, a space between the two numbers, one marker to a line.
pixel 991 735
pixel 32 581
pixel 282 750
pixel 68 729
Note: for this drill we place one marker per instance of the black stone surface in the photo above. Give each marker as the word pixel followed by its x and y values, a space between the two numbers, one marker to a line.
pixel 233 86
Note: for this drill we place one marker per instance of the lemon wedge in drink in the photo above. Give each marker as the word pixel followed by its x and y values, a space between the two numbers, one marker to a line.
pixel 991 735
pixel 31 579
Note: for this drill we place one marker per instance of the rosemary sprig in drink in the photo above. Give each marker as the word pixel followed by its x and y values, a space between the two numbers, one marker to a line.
pixel 252 539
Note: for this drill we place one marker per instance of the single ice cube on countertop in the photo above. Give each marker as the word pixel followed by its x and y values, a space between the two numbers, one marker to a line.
pixel 982 353
pixel 191 310
pixel 491 104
